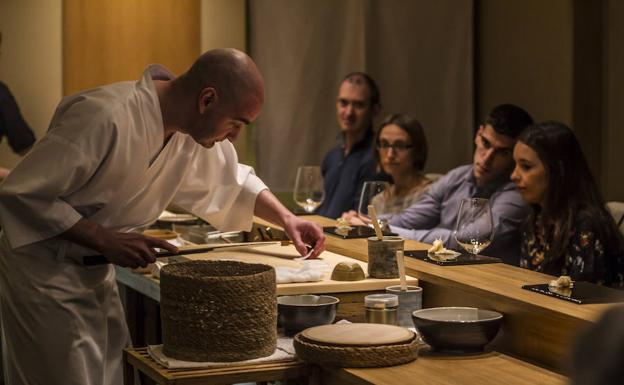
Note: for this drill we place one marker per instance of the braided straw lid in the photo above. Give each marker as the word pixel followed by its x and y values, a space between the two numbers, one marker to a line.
pixel 218 311
pixel 357 345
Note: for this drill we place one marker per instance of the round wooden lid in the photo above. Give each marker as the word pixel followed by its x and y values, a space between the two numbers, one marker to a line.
pixel 359 334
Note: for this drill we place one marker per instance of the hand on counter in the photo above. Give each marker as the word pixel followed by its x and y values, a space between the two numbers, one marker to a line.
pixel 303 232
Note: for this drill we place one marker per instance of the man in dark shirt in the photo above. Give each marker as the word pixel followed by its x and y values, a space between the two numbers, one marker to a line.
pixel 350 163
pixel 13 126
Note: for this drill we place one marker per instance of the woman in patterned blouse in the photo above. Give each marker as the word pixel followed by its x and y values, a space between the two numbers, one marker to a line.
pixel 401 153
pixel 569 231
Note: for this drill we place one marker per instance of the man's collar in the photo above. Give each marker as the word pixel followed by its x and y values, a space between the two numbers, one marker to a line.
pixel 366 139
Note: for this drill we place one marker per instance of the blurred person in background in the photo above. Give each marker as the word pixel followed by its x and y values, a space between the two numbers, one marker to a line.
pixel 435 215
pixel 401 153
pixel 569 231
pixel 350 163
pixel 12 124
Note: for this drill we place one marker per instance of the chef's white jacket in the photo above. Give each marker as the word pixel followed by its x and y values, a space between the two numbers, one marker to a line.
pixel 103 159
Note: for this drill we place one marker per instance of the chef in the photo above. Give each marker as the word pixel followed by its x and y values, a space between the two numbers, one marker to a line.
pixel 113 158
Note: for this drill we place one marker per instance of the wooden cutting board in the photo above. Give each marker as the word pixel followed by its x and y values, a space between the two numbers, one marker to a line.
pixel 277 255
pixel 358 334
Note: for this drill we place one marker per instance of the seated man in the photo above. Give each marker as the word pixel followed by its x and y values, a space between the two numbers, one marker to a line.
pixel 350 163
pixel 434 216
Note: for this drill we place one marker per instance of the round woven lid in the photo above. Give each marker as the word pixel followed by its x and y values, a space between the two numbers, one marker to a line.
pixel 362 352
pixel 358 334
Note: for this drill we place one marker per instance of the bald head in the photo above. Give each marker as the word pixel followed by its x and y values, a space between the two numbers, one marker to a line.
pixel 231 73
pixel 215 99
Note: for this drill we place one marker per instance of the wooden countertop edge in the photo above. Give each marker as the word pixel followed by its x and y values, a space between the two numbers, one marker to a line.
pixel 501 280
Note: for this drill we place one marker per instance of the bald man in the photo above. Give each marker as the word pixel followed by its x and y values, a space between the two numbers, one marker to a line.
pixel 113 158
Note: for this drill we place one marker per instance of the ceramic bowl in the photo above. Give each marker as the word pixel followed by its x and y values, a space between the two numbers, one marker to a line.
pixel 457 329
pixel 299 312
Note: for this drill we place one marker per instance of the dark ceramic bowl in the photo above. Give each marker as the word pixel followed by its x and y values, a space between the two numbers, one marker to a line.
pixel 457 329
pixel 299 312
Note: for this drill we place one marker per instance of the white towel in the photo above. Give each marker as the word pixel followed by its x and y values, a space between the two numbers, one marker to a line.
pixel 284 352
pixel 313 270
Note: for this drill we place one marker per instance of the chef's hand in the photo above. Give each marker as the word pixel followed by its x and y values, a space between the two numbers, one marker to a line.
pixel 134 250
pixel 303 233
pixel 124 249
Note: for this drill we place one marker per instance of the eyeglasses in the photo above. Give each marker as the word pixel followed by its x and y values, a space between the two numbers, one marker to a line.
pixel 397 147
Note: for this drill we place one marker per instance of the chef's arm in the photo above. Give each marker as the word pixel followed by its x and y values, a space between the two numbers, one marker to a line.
pixel 124 249
pixel 300 232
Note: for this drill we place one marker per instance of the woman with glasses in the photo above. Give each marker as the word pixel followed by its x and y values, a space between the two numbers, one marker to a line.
pixel 569 231
pixel 401 152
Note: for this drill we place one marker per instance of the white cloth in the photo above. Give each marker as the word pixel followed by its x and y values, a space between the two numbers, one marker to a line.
pixel 285 351
pixel 311 271
pixel 101 159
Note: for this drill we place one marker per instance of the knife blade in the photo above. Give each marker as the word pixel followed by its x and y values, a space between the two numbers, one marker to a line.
pixel 94 260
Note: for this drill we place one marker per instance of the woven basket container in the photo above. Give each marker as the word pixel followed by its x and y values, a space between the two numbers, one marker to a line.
pixel 355 356
pixel 218 311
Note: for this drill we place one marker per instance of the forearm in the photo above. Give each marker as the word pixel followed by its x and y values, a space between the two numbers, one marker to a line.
pixel 269 208
pixel 89 234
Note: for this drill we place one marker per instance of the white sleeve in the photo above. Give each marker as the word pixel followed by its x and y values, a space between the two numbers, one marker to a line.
pixel 32 207
pixel 220 190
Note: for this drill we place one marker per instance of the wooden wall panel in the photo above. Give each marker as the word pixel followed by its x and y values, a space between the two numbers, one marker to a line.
pixel 114 40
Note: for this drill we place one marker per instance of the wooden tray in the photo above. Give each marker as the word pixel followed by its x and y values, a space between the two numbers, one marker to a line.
pixel 276 255
pixel 355 232
pixel 356 345
pixel 581 293
pixel 462 259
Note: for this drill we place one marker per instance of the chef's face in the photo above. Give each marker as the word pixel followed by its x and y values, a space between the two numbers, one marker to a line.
pixel 220 120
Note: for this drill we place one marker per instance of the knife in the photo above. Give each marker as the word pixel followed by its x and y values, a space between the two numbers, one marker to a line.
pixel 93 260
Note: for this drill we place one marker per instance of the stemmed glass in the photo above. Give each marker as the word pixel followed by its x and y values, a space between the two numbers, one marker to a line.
pixel 372 194
pixel 474 229
pixel 309 193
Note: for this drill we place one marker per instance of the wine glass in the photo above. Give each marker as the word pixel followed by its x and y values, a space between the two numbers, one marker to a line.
pixel 309 193
pixel 373 194
pixel 474 229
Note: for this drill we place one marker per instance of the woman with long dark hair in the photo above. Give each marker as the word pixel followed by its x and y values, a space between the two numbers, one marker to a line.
pixel 569 231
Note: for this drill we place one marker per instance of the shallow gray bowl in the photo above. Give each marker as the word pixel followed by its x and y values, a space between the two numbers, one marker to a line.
pixel 299 312
pixel 457 329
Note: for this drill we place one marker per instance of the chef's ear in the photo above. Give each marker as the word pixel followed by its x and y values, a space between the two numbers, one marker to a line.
pixel 207 97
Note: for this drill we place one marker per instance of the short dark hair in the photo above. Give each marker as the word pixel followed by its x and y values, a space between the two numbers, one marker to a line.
pixel 508 120
pixel 363 78
pixel 416 133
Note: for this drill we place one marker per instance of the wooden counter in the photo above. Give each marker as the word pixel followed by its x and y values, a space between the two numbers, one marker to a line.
pixel 536 328
pixel 485 369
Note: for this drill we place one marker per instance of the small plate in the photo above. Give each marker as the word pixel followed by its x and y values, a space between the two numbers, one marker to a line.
pixel 462 259
pixel 354 232
pixel 581 293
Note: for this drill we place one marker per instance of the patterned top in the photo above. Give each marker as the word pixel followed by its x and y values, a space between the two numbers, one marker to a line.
pixel 585 259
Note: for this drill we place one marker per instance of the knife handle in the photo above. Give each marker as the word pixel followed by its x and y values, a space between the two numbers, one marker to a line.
pixel 95 260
